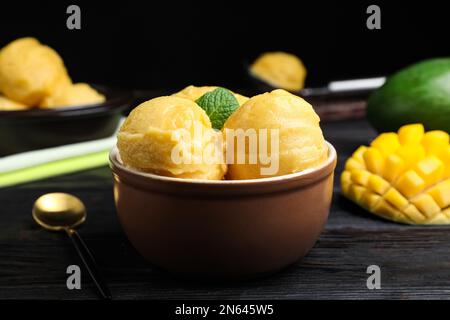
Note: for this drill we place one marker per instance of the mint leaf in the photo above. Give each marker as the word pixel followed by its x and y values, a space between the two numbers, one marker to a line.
pixel 218 104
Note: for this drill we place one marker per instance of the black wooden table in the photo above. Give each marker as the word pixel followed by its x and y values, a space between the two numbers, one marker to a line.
pixel 414 261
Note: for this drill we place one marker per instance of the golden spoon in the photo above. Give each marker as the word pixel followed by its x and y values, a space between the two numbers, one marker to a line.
pixel 64 212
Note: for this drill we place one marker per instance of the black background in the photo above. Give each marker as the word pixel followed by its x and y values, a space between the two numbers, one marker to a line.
pixel 148 44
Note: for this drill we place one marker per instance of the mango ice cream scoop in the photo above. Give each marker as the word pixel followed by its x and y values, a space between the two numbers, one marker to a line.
pixel 156 128
pixel 300 143
pixel 29 71
pixel 10 105
pixel 77 94
pixel 193 93
pixel 280 70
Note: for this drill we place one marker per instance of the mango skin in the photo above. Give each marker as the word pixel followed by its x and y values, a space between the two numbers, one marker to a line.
pixel 30 71
pixel 417 94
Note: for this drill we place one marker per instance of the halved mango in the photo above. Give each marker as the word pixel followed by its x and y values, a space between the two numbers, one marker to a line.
pixel 404 176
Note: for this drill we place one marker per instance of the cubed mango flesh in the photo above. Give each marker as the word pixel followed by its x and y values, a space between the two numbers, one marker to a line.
pixel 396 199
pixel 426 204
pixel 410 183
pixel 358 154
pixel 441 193
pixel 387 143
pixel 355 192
pixel 435 141
pixel 394 167
pixel 411 153
pixel 430 169
pixel 360 176
pixel 411 133
pixel 445 158
pixel 353 164
pixel 374 160
pixel 378 184
pixel 369 199
pixel 404 176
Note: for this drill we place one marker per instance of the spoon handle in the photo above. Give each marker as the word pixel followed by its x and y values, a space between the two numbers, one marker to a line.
pixel 90 264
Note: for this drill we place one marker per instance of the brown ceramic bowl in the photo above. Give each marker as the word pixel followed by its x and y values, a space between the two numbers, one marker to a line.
pixel 230 228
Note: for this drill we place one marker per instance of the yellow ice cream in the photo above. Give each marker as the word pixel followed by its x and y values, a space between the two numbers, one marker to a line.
pixel 151 133
pixel 301 143
pixel 193 93
pixel 78 94
pixel 10 105
pixel 30 71
pixel 281 70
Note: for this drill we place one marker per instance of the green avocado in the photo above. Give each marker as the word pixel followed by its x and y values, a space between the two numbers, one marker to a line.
pixel 417 94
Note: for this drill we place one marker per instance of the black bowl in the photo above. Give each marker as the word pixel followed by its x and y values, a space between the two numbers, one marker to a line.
pixel 260 86
pixel 34 129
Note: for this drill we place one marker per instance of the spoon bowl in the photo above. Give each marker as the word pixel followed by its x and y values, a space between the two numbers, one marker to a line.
pixel 59 211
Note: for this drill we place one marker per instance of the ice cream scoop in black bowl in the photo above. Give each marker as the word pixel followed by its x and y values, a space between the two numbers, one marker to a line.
pixel 34 129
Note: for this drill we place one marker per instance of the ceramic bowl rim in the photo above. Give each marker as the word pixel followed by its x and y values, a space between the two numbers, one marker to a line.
pixel 308 173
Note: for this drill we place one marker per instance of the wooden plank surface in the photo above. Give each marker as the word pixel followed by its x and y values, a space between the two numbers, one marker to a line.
pixel 414 261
